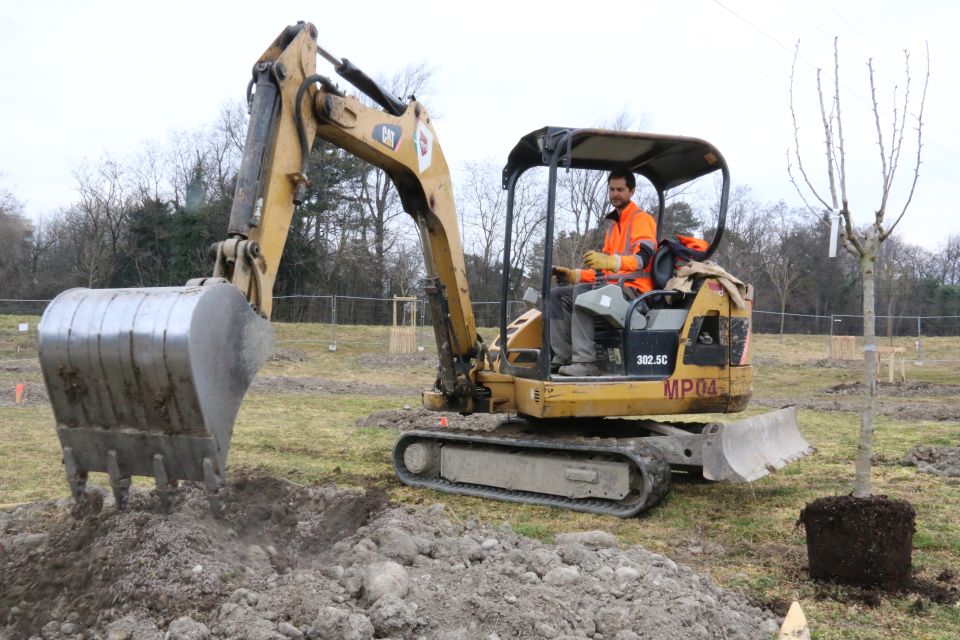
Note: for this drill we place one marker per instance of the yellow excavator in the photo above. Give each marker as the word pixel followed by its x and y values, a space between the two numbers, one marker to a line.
pixel 148 382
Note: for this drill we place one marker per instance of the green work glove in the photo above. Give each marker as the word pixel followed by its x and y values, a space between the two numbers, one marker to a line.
pixel 601 261
pixel 566 276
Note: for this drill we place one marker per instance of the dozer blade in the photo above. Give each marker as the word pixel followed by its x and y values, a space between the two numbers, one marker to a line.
pixel 748 449
pixel 148 382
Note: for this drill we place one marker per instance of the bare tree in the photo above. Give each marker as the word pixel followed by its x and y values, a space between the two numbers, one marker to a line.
pixel 948 261
pixel 17 233
pixel 97 222
pixel 864 243
pixel 779 260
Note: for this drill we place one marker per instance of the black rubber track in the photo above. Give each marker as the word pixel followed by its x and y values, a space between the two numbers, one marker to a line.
pixel 648 460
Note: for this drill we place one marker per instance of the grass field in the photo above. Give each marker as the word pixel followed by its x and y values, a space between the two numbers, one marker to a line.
pixel 744 536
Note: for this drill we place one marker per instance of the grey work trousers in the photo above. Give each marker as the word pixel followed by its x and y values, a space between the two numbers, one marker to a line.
pixel 571 329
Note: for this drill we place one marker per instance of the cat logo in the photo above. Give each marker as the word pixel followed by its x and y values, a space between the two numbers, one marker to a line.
pixel 388 135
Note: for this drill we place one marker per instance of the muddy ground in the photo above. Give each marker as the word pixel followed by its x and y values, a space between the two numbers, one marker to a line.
pixel 907 400
pixel 290 561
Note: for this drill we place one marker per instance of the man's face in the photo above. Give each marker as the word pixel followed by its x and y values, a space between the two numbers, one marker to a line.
pixel 618 192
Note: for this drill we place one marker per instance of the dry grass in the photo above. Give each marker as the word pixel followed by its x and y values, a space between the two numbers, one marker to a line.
pixel 742 535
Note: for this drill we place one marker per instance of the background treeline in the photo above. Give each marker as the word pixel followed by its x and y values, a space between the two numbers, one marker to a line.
pixel 149 220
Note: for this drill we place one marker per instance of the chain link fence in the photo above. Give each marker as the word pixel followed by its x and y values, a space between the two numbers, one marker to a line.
pixel 18 320
pixel 851 325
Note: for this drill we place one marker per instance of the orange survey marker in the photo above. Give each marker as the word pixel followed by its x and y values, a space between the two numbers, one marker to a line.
pixel 19 393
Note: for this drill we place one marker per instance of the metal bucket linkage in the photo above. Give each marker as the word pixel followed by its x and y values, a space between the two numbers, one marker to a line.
pixel 148 382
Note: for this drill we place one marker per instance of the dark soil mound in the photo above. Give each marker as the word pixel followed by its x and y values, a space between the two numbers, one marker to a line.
pixel 860 541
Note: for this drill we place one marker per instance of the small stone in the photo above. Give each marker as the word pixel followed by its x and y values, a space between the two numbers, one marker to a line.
pixel 186 628
pixel 770 626
pixel 69 628
pixel 469 524
pixel 197 569
pixel 626 574
pixel 562 576
pixel 489 543
pixel 51 630
pixel 334 572
pixel 382 578
pixel 398 545
pixel 529 578
pixel 290 631
pixel 590 539
pixel 546 630
pixel 391 616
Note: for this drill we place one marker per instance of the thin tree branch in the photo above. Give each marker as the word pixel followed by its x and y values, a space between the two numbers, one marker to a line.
pixel 796 137
pixel 842 151
pixel 916 170
pixel 885 174
pixel 793 180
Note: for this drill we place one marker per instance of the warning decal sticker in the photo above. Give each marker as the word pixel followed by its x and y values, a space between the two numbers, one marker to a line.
pixel 423 143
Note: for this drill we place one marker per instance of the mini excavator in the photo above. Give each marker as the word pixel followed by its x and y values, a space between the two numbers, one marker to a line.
pixel 148 381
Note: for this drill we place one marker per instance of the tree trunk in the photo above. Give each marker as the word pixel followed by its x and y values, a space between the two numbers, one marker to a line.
pixel 783 309
pixel 861 482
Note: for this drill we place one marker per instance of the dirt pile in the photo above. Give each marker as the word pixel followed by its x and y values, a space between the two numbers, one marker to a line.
pixel 409 418
pixel 927 458
pixel 289 561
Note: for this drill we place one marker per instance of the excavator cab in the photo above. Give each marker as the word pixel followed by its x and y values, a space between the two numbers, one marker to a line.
pixel 637 337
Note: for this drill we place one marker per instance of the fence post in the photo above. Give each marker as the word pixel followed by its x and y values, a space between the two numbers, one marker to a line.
pixel 333 313
pixel 423 320
pixel 919 360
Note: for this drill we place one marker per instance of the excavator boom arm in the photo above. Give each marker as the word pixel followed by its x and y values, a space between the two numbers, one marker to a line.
pixel 290 108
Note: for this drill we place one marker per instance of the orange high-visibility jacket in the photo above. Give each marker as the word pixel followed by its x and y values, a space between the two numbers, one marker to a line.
pixel 633 237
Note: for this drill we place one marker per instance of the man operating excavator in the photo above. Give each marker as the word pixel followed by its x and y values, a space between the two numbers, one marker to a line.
pixel 628 249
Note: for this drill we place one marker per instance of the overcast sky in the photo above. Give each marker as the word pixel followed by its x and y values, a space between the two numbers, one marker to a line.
pixel 89 78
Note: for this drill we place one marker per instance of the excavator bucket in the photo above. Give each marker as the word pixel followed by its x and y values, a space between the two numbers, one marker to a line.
pixel 745 450
pixel 148 382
